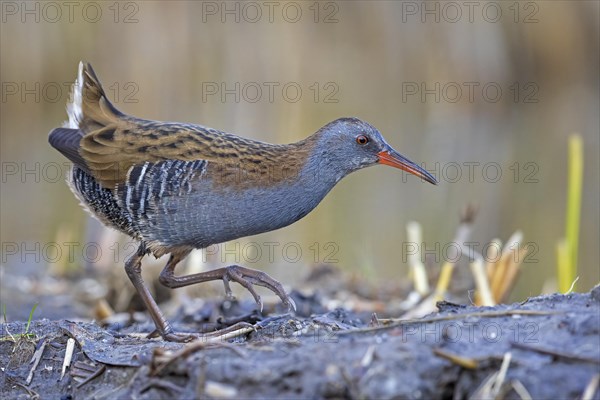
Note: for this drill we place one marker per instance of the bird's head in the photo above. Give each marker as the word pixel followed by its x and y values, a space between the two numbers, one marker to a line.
pixel 349 144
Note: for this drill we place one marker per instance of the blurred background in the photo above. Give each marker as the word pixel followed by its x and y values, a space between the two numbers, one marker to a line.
pixel 482 95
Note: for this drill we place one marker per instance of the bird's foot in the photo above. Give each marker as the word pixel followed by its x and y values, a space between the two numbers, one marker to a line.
pixel 248 278
pixel 173 336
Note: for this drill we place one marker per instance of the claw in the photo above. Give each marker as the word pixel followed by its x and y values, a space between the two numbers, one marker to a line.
pixel 228 292
pixel 153 334
pixel 245 277
pixel 259 303
pixel 256 296
pixel 291 304
pixel 249 277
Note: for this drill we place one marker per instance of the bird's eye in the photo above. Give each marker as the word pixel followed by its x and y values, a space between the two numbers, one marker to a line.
pixel 362 140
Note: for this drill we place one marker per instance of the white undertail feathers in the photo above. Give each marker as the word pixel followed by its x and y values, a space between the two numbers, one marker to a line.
pixel 74 106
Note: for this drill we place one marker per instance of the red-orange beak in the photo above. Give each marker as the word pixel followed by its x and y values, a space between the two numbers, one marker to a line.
pixel 394 159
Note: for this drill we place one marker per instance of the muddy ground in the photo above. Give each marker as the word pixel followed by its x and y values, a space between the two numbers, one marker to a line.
pixel 547 347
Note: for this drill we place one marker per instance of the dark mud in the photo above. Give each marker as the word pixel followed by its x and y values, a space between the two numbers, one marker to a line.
pixel 550 347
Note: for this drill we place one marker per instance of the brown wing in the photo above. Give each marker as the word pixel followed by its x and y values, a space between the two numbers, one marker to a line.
pixel 108 143
pixel 111 151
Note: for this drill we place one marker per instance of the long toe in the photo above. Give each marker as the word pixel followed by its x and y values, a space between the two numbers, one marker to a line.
pixel 290 303
pixel 240 275
pixel 247 277
pixel 172 336
pixel 229 329
pixel 179 337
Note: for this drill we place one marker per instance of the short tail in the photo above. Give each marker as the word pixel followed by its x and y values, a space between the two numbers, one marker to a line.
pixel 88 108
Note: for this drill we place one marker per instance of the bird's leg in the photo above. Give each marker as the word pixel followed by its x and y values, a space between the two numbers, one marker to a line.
pixel 244 276
pixel 133 267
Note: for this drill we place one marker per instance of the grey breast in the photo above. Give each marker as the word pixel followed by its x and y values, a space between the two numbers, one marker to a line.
pixel 175 203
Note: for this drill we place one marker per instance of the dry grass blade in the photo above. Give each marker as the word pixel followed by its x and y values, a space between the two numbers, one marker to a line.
pixel 37 356
pixel 93 376
pixel 468 363
pixel 417 269
pixel 591 388
pixel 68 356
pixel 510 277
pixel 493 254
pixel 444 280
pixel 555 353
pixel 31 393
pixel 103 310
pixel 502 374
pixel 484 293
pixel 398 322
pixel 462 235
pixel 503 269
pixel 521 390
pixel 491 387
pixel 165 385
pixel 216 390
pixel 425 307
pixel 368 357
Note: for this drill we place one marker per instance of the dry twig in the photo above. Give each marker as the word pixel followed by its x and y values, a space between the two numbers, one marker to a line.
pixel 37 356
